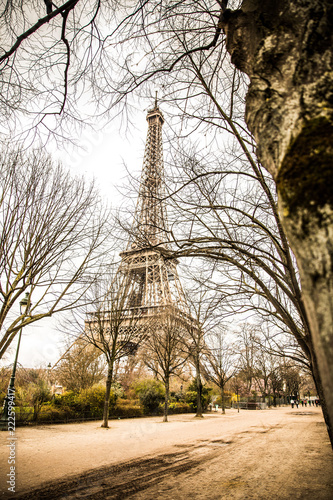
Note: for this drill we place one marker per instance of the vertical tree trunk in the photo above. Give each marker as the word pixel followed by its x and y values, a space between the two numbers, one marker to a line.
pixel 37 406
pixel 311 237
pixel 320 393
pixel 107 396
pixel 199 391
pixel 222 399
pixel 166 400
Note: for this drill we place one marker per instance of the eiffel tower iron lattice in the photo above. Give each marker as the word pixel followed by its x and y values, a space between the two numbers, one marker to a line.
pixel 150 277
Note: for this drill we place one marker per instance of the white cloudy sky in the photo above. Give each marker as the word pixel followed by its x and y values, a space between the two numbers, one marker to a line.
pixel 105 155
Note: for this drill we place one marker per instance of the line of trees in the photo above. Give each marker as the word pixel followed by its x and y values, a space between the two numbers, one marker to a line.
pixel 168 345
pixel 239 363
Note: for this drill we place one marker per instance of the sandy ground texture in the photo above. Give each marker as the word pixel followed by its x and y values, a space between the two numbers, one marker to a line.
pixel 281 453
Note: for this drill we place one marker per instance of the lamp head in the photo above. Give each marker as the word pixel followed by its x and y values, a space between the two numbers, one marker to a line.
pixel 24 303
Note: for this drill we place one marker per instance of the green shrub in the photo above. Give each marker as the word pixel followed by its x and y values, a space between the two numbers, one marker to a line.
pixel 92 400
pixel 50 413
pixel 66 399
pixel 88 403
pixel 191 398
pixel 47 413
pixel 23 414
pixel 151 394
pixel 191 395
pixel 87 400
pixel 127 411
pixel 176 408
pixel 128 402
pixel 177 397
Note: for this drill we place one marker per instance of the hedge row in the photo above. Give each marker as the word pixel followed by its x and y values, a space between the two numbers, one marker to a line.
pixel 52 414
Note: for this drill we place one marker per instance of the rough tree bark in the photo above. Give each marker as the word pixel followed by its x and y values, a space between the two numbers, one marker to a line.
pixel 222 400
pixel 285 47
pixel 199 387
pixel 105 422
pixel 166 399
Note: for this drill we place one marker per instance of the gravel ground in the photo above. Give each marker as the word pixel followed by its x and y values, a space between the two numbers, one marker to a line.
pixel 280 453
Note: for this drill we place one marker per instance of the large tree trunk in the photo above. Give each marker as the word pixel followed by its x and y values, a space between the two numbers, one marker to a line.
pixel 107 397
pixel 285 47
pixel 320 394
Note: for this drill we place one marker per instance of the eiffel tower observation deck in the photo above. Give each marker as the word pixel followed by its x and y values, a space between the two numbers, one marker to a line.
pixel 150 277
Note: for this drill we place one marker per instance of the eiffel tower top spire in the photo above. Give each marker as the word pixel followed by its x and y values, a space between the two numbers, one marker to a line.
pixel 150 226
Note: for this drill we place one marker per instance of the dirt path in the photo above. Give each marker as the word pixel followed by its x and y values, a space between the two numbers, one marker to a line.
pixel 280 454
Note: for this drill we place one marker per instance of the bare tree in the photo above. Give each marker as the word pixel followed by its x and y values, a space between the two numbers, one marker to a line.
pixel 269 363
pixel 247 350
pixel 166 355
pixel 225 210
pixel 276 381
pixel 286 125
pixel 290 114
pixel 236 386
pixel 53 238
pixel 80 368
pixel 220 361
pixel 259 362
pixel 265 366
pixel 276 354
pixel 229 215
pixel 292 378
pixel 46 52
pixel 202 306
pixel 114 328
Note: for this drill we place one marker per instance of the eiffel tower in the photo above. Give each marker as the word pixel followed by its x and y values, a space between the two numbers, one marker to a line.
pixel 147 283
pixel 150 278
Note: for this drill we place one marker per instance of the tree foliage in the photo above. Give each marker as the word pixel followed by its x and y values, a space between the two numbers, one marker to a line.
pixel 191 395
pixel 151 393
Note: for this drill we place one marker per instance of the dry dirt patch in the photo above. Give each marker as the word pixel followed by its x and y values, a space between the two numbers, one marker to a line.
pixel 277 454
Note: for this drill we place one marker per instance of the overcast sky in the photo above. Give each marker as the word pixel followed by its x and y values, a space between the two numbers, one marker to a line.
pixel 107 156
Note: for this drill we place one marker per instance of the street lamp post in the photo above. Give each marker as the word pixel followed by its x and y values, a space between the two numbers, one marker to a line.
pixel 48 368
pixel 11 388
